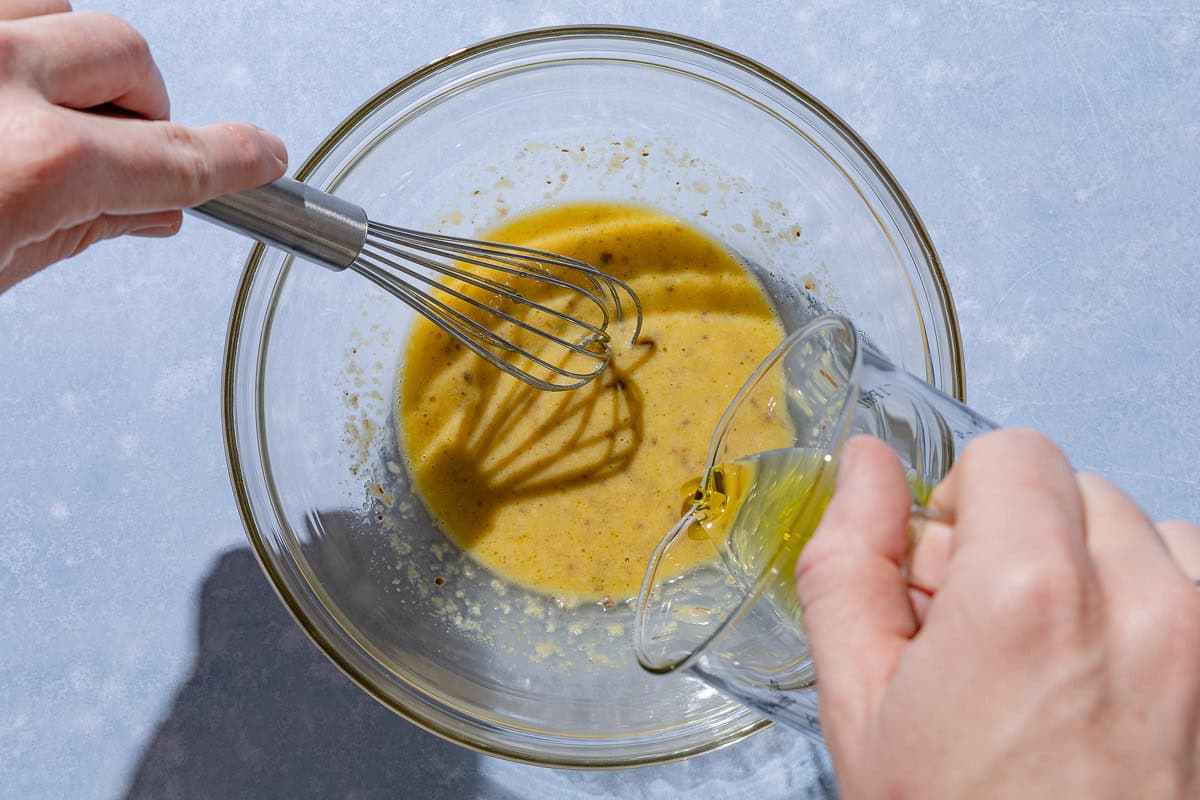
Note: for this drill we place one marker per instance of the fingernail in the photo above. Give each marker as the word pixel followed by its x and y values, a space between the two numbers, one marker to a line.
pixel 156 231
pixel 278 148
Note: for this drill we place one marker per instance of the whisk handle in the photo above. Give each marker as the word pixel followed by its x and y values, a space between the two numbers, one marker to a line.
pixel 294 217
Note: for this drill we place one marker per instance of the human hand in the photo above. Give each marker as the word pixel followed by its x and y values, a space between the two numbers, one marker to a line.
pixel 70 177
pixel 1059 656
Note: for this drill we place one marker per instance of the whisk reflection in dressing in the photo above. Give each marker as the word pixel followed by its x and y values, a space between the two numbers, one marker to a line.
pixel 542 317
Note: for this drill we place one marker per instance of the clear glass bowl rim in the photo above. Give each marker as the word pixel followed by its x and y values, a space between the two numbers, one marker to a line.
pixel 884 182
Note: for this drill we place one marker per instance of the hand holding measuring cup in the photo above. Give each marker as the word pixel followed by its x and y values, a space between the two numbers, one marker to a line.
pixel 1058 657
pixel 736 621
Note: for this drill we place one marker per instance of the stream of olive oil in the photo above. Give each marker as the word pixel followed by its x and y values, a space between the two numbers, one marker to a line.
pixel 762 503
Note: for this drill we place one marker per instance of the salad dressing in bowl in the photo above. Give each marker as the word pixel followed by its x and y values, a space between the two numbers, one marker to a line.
pixel 567 493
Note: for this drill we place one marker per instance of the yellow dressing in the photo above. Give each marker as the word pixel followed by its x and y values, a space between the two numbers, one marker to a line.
pixel 568 493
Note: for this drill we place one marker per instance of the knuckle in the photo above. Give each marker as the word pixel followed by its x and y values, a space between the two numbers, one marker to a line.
pixel 1044 593
pixel 193 172
pixel 1164 628
pixel 69 152
pixel 96 231
pixel 817 573
pixel 243 148
pixel 10 50
pixel 808 566
pixel 53 148
pixel 136 47
pixel 1184 628
pixel 1006 443
pixel 1183 641
pixel 118 31
pixel 820 550
pixel 44 156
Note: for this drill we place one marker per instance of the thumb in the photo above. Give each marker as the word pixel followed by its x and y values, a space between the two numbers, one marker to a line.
pixel 68 242
pixel 854 595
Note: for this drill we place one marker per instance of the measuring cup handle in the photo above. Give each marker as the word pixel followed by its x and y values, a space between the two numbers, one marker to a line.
pixel 928 547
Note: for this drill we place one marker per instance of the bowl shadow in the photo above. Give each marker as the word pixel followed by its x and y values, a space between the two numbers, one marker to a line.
pixel 264 714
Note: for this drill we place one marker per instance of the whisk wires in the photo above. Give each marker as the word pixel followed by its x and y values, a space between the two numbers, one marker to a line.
pixel 541 317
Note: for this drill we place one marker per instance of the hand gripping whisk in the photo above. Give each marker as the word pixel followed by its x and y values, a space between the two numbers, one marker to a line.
pixel 539 316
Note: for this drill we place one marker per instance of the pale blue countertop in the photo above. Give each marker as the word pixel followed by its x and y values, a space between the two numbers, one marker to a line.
pixel 1053 149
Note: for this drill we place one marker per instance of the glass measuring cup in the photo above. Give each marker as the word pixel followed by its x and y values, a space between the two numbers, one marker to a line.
pixel 735 620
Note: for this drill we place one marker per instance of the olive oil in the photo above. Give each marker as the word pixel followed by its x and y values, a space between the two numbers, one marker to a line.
pixel 759 504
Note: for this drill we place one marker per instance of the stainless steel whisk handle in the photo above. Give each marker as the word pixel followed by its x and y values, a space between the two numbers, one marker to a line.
pixel 295 218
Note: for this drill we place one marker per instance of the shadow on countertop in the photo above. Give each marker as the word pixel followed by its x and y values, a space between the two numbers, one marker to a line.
pixel 264 714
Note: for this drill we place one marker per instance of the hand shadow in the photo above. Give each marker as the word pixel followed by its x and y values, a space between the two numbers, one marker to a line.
pixel 264 714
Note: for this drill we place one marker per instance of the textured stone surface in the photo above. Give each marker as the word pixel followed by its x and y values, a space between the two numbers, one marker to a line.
pixel 1053 149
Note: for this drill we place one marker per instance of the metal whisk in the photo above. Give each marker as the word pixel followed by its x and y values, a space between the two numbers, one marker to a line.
pixel 539 316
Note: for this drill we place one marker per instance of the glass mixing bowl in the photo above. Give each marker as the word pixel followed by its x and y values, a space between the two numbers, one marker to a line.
pixel 548 116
